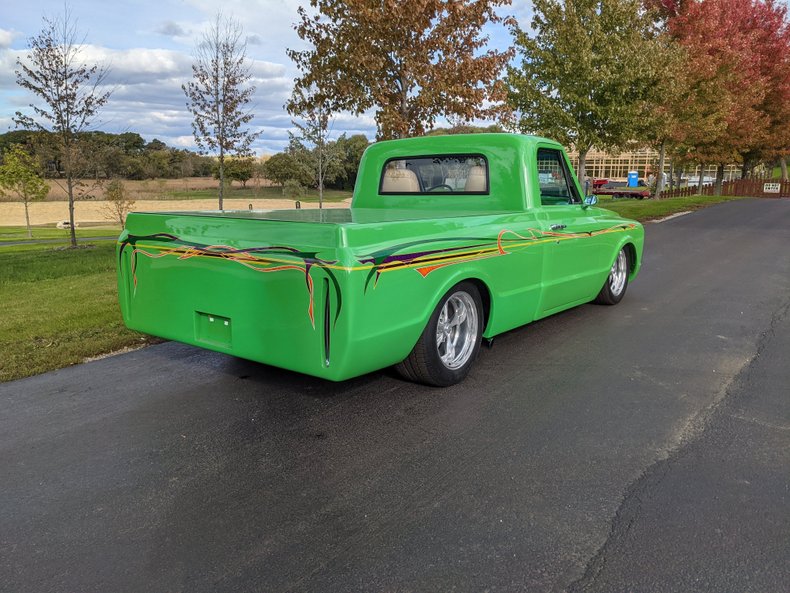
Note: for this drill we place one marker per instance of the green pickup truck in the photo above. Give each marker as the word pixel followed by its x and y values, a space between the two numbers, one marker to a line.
pixel 449 240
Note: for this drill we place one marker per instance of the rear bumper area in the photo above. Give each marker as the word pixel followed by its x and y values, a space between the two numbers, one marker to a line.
pixel 274 306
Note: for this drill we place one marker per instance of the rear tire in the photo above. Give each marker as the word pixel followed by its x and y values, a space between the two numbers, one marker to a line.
pixel 613 289
pixel 450 342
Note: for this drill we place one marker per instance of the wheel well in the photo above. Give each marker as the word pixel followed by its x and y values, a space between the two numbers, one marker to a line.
pixel 485 296
pixel 629 247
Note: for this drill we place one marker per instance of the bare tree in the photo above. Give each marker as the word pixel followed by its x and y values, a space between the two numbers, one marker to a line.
pixel 118 203
pixel 314 132
pixel 69 91
pixel 220 93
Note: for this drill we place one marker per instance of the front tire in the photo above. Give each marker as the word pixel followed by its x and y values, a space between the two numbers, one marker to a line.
pixel 613 289
pixel 450 342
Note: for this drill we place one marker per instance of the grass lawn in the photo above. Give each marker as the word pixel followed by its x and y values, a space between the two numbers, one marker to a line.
pixel 60 306
pixel 644 210
pixel 13 234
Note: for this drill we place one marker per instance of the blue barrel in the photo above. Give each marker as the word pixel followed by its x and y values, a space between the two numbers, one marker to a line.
pixel 633 178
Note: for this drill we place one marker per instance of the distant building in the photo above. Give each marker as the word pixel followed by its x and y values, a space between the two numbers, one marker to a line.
pixel 604 165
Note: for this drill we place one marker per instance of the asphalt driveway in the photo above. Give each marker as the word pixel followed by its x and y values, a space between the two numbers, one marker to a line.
pixel 642 447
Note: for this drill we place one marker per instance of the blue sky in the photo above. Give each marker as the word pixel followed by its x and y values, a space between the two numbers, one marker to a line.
pixel 148 46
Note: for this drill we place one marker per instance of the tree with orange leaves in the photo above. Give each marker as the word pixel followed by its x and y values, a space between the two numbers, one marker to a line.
pixel 412 61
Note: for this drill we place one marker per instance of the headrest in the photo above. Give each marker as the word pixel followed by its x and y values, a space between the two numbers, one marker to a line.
pixel 400 181
pixel 476 180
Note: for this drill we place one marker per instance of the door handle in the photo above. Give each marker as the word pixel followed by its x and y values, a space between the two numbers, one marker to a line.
pixel 557 227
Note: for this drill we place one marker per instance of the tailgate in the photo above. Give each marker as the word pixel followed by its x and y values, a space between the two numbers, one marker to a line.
pixel 253 287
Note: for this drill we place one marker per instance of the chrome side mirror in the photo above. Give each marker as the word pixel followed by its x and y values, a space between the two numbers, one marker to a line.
pixel 590 201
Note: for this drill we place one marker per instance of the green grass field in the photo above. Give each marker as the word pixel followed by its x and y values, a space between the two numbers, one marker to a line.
pixel 644 210
pixel 60 305
pixel 13 234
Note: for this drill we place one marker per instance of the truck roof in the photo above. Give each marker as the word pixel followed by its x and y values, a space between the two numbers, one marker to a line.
pixel 452 141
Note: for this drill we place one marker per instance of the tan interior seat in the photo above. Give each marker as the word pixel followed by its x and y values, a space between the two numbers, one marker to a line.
pixel 476 180
pixel 401 181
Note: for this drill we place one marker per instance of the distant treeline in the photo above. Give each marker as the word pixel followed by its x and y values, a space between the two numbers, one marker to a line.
pixel 103 155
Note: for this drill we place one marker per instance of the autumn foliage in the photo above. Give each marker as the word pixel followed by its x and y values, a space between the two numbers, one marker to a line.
pixel 411 61
pixel 734 105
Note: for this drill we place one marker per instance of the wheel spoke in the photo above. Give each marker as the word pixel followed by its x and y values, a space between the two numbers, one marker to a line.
pixel 449 353
pixel 459 318
pixel 619 273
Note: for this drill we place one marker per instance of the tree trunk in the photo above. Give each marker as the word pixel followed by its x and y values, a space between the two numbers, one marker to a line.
pixel 660 179
pixel 746 169
pixel 404 105
pixel 583 166
pixel 320 177
pixel 67 150
pixel 27 222
pixel 671 176
pixel 719 179
pixel 221 177
pixel 70 188
pixel 783 166
pixel 700 178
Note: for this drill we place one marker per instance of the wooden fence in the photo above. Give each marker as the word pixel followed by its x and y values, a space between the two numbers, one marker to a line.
pixel 754 188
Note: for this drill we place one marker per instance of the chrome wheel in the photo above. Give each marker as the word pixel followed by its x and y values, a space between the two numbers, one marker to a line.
pixel 456 330
pixel 619 274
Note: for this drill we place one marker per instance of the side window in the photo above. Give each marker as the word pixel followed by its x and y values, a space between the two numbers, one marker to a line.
pixel 556 187
pixel 449 174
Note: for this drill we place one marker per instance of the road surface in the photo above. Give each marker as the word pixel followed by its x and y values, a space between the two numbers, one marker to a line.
pixel 642 447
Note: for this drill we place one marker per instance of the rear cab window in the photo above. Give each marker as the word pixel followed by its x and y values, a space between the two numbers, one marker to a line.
pixel 554 178
pixel 454 174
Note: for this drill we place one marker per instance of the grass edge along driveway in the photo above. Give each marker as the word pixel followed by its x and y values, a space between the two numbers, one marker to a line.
pixel 60 305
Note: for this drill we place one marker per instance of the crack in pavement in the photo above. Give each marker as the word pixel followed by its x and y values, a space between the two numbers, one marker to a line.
pixel 649 481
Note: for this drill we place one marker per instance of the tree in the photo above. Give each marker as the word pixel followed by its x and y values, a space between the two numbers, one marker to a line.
pixel 18 174
pixel 580 79
pixel 657 123
pixel 324 158
pixel 238 169
pixel 739 79
pixel 292 189
pixel 410 60
pixel 351 149
pixel 770 32
pixel 70 95
pixel 118 202
pixel 220 93
pixel 288 165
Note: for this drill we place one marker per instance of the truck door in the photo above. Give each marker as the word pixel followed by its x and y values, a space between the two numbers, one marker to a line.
pixel 574 256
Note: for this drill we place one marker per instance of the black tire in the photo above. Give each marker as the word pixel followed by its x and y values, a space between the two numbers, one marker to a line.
pixel 434 363
pixel 616 283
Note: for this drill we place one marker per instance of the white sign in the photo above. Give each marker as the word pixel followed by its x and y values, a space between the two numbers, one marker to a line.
pixel 771 188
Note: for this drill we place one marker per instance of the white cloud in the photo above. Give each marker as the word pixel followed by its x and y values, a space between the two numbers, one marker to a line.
pixel 146 80
pixel 7 38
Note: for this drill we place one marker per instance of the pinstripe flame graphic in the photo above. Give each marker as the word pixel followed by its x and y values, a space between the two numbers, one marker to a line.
pixel 279 258
pixel 507 241
pixel 259 259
